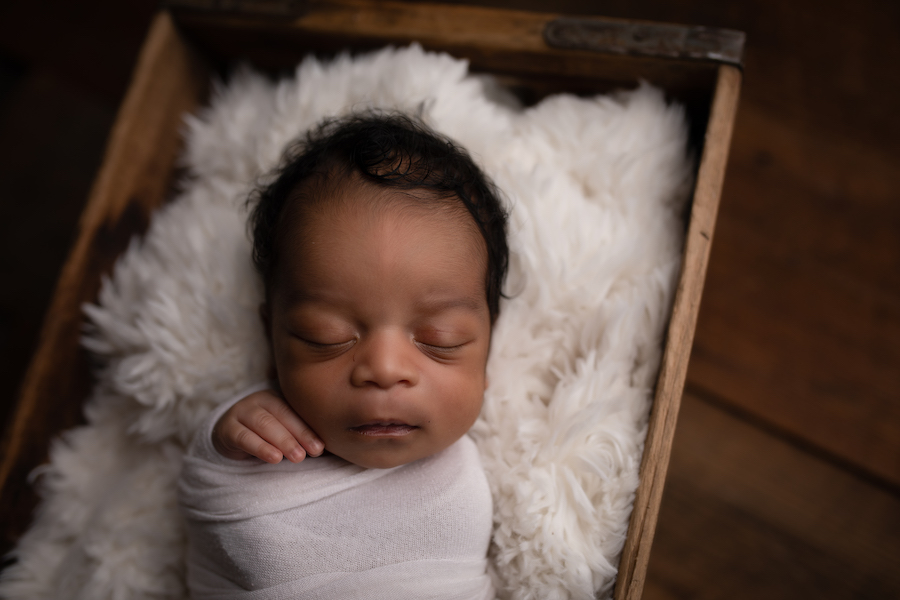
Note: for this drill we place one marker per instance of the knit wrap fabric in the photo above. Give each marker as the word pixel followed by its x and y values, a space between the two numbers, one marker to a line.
pixel 326 528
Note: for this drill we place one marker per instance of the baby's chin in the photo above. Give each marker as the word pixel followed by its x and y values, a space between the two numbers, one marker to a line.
pixel 384 456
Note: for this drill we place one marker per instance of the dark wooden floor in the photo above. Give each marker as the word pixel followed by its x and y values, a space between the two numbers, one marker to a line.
pixel 785 474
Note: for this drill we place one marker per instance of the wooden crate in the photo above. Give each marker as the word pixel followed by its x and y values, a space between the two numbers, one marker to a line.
pixel 534 54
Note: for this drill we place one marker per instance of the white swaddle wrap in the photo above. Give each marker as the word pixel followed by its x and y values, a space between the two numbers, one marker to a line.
pixel 326 528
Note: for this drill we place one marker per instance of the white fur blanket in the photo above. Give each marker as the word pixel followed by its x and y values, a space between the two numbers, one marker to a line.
pixel 596 189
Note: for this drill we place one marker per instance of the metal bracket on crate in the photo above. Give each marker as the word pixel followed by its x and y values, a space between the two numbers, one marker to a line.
pixel 647 39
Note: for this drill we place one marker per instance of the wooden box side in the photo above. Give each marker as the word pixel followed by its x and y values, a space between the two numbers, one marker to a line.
pixel 680 336
pixel 170 80
pixel 503 42
pixel 134 179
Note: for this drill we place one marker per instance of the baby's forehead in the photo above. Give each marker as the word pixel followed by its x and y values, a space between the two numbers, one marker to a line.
pixel 334 193
pixel 352 243
pixel 315 230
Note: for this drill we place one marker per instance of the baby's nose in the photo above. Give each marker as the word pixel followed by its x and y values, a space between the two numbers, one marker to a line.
pixel 385 359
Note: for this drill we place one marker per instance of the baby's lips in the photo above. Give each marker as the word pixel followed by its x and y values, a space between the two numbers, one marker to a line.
pixel 385 428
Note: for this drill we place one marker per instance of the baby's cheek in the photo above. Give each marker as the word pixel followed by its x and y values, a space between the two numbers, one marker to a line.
pixel 313 398
pixel 470 396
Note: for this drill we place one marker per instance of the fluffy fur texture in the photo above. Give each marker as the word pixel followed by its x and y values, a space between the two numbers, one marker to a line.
pixel 596 189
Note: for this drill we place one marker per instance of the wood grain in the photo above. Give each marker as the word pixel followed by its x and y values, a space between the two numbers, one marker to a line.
pixel 664 414
pixel 499 41
pixel 747 515
pixel 51 143
pixel 801 327
pixel 134 180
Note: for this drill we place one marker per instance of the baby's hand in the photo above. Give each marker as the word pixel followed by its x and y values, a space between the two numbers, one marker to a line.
pixel 265 426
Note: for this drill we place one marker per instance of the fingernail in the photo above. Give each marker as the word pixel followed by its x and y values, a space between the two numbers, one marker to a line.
pixel 317 448
pixel 297 454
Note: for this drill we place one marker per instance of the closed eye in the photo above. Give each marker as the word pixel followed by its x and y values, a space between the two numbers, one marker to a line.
pixel 440 351
pixel 327 347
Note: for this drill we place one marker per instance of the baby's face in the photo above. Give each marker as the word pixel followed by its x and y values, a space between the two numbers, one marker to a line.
pixel 380 326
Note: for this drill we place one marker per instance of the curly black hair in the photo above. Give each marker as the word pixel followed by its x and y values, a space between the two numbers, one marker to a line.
pixel 388 150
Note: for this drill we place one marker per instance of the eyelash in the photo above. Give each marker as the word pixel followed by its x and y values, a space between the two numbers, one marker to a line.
pixel 320 347
pixel 442 350
pixel 433 349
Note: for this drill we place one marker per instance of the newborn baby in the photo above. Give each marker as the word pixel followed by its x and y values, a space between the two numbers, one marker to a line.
pixel 383 251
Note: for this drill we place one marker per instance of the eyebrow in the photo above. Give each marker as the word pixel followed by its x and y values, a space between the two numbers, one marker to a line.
pixel 298 296
pixel 429 306
pixel 439 304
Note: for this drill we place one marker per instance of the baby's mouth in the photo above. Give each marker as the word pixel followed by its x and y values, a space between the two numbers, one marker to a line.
pixel 384 429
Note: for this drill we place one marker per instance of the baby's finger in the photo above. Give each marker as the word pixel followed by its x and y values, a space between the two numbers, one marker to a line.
pixel 238 442
pixel 270 428
pixel 299 430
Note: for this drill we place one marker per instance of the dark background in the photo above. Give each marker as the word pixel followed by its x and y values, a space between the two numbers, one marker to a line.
pixel 785 474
